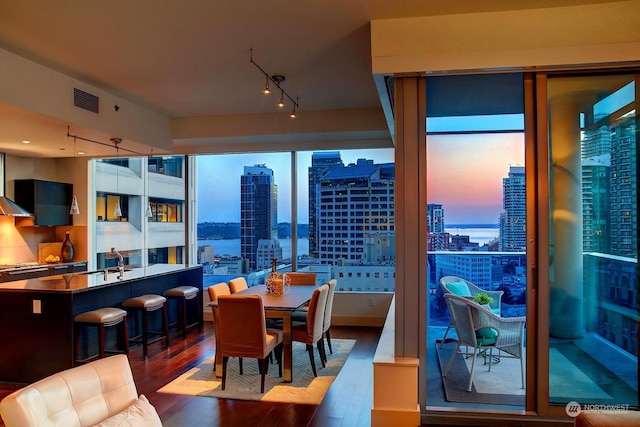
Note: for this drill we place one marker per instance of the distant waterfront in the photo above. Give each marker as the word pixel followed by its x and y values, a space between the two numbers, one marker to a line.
pixel 232 247
pixel 480 233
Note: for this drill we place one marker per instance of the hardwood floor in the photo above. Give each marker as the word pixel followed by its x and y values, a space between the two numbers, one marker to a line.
pixel 347 403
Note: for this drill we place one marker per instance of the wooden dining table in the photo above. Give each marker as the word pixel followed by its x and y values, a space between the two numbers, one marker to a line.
pixel 277 307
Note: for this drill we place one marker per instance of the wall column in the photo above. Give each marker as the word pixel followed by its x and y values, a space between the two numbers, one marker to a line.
pixel 566 318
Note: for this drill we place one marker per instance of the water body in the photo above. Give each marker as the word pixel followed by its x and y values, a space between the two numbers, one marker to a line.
pixel 232 247
pixel 479 234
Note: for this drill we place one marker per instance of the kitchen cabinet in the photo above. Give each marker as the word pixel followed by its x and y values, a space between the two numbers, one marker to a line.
pixel 48 201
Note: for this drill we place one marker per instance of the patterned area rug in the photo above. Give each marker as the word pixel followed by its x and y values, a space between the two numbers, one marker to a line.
pixel 305 389
pixel 501 386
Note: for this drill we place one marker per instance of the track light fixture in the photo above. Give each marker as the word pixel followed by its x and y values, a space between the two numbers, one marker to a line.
pixel 277 81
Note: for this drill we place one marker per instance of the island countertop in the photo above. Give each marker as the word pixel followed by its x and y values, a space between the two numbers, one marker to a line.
pixel 37 315
pixel 89 280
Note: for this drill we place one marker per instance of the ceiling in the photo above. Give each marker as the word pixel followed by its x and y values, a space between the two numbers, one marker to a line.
pixel 190 58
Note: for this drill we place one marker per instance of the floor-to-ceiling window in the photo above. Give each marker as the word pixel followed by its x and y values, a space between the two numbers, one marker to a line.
pixel 341 203
pixel 593 242
pixel 476 223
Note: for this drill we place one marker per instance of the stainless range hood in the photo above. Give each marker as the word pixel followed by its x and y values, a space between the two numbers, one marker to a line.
pixel 7 206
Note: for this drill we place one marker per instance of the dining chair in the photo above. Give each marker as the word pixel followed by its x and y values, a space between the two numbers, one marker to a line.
pixel 311 331
pixel 238 284
pixel 216 291
pixel 243 333
pixel 298 278
pixel 480 329
pixel 328 311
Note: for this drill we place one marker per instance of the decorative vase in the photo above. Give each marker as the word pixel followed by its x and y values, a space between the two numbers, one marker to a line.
pixel 66 254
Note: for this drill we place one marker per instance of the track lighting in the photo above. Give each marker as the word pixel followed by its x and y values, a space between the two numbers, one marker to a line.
pixel 281 102
pixel 277 81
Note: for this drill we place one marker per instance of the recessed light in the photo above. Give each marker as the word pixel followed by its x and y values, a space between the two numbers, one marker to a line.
pixel 24 141
pixel 81 153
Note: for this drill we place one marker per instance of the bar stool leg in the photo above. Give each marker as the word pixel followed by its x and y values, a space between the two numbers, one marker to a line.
pixel 145 329
pixel 101 340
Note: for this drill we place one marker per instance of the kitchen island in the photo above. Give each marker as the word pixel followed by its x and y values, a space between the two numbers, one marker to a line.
pixel 36 315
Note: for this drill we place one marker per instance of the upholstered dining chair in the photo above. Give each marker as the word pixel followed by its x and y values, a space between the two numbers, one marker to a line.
pixel 299 278
pixel 243 333
pixel 300 315
pixel 481 330
pixel 216 291
pixel 464 288
pixel 311 331
pixel 238 284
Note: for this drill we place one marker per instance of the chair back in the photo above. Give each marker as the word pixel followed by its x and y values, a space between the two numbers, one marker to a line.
pixel 218 289
pixel 238 284
pixel 301 279
pixel 329 305
pixel 315 314
pixel 462 318
pixel 242 326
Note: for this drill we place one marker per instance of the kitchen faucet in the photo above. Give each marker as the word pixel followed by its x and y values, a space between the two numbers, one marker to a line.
pixel 120 263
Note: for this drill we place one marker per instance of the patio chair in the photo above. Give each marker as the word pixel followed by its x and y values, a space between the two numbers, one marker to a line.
pixel 479 329
pixel 461 287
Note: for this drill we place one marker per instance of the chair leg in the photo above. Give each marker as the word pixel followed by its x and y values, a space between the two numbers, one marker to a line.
pixel 225 359
pixel 312 359
pixel 240 364
pixel 473 365
pixel 328 336
pixel 445 335
pixel 264 366
pixel 278 351
pixel 323 356
pixel 453 355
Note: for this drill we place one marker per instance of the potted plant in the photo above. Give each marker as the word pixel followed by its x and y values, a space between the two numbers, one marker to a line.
pixel 483 299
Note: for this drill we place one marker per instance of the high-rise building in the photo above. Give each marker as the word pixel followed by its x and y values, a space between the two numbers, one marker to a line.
pixel 353 203
pixel 258 210
pixel 320 163
pixel 596 204
pixel 513 220
pixel 437 239
pixel 624 225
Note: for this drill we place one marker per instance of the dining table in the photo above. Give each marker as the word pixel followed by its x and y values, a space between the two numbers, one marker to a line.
pixel 277 307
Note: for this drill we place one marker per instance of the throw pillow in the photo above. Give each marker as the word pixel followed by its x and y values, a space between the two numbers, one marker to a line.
pixel 140 414
pixel 459 288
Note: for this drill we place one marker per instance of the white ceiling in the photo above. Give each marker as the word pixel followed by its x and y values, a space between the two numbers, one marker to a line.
pixel 190 58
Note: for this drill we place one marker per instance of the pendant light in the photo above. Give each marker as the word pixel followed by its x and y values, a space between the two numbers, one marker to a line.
pixel 117 212
pixel 148 213
pixel 75 210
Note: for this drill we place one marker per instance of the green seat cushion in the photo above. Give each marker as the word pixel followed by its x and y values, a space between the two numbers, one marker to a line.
pixel 459 288
pixel 486 336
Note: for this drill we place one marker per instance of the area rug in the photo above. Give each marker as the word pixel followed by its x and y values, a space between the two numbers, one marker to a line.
pixel 305 389
pixel 501 386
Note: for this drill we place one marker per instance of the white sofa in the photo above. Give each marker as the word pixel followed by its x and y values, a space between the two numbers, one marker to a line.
pixel 99 393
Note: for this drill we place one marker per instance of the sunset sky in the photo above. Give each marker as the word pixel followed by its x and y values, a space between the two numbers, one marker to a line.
pixel 464 174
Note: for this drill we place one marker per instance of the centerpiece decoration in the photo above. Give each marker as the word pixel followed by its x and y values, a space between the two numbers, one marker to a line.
pixel 278 284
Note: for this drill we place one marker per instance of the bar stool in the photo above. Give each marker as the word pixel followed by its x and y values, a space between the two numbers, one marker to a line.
pixel 101 318
pixel 182 295
pixel 147 304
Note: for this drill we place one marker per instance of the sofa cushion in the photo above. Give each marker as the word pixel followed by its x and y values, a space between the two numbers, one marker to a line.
pixel 139 414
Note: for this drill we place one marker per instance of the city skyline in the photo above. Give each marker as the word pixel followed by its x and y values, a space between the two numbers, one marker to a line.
pixel 465 173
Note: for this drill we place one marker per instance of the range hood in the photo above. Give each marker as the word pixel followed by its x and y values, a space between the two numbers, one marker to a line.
pixel 7 206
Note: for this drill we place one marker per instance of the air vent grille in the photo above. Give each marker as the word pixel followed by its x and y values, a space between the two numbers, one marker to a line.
pixel 86 101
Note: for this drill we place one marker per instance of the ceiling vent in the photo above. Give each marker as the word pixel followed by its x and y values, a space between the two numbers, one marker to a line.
pixel 86 101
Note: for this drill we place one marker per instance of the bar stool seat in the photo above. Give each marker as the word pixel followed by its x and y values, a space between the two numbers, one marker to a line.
pixel 147 304
pixel 182 295
pixel 101 318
